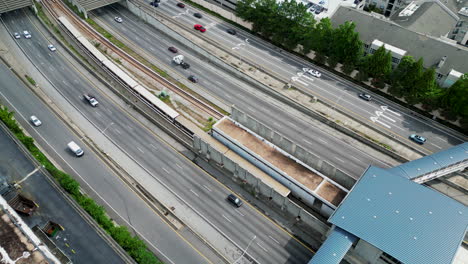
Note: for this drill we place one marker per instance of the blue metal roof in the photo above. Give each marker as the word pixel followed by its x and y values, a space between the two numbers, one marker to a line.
pixel 334 248
pixel 411 222
pixel 432 162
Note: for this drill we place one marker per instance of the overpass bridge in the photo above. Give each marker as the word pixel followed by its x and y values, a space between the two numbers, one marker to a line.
pixel 10 5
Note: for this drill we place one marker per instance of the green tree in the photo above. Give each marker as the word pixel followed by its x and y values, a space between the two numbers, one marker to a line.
pixel 319 37
pixel 379 64
pixel 346 46
pixel 455 97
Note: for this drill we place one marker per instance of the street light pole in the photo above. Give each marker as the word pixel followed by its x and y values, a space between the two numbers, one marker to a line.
pixel 245 250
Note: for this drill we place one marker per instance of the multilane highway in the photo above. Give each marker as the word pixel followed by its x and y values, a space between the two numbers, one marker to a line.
pixel 271 245
pixel 277 115
pixel 380 113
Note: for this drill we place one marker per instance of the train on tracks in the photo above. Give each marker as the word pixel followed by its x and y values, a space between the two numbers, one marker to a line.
pixel 127 81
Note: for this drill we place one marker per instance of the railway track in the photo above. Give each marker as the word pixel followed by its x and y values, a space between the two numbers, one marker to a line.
pixel 57 8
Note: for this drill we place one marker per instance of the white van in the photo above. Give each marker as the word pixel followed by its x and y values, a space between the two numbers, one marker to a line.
pixel 75 149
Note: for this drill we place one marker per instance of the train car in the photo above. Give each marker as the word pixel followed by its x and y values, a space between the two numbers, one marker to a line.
pixel 119 73
pixel 71 29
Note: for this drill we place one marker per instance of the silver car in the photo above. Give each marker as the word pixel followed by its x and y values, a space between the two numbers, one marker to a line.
pixel 17 35
pixel 36 122
pixel 26 34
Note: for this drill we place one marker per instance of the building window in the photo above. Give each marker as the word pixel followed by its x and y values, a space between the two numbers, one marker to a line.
pixel 389 259
pixel 439 76
pixel 395 60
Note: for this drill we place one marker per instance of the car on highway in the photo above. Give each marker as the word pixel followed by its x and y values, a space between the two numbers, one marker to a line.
pixel 231 31
pixel 26 34
pixel 193 78
pixel 155 4
pixel 118 19
pixel 173 49
pixel 199 28
pixel 417 138
pixel 181 5
pixel 51 47
pixel 314 73
pixel 16 35
pixel 91 100
pixel 35 121
pixel 365 96
pixel 234 200
pixel 197 15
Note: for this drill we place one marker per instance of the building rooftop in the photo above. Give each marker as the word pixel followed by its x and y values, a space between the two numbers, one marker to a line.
pixel 411 222
pixel 418 45
pixel 295 169
pixel 429 18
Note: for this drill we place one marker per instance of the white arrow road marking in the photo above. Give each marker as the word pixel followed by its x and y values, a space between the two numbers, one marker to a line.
pixel 299 74
pixel 307 77
pixel 305 69
pixel 385 108
pixel 296 79
pixel 375 119
pixel 380 114
pixel 388 118
pixel 246 40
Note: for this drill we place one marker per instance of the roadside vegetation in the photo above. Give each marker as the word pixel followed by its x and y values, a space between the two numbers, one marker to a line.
pixel 290 26
pixel 135 247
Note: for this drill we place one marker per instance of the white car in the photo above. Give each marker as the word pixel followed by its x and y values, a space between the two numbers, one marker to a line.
pixel 118 19
pixel 35 121
pixel 17 35
pixel 26 34
pixel 315 73
pixel 51 47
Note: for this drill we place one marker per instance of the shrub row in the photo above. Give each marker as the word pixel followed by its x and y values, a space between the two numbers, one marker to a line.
pixel 135 247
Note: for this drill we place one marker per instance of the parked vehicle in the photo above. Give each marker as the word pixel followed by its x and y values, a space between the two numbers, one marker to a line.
pixel 173 49
pixel 193 78
pixel 51 47
pixel 73 147
pixel 179 60
pixel 36 122
pixel 181 5
pixel 365 96
pixel 234 200
pixel 418 139
pixel 91 100
pixel 17 35
pixel 199 28
pixel 231 31
pixel 118 19
pixel 26 34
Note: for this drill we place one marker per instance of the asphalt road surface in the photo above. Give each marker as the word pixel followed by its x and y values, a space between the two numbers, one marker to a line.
pixel 380 113
pixel 77 235
pixel 271 245
pixel 122 204
pixel 277 115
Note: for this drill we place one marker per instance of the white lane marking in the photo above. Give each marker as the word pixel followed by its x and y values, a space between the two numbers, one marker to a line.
pixel 117 131
pixel 355 158
pixel 239 213
pixel 179 166
pixel 276 124
pixel 166 170
pixel 131 128
pixel 151 48
pixel 219 83
pixel 307 141
pixel 440 138
pixel 262 247
pixel 98 114
pixel 65 82
pixel 339 159
pixel 227 219
pixel 385 108
pixel 436 145
pixel 108 110
pixel 140 150
pixel 206 187
pixel 51 68
pixel 154 146
pixel 273 239
pixel 307 77
pixel 196 194
pixel 324 141
pixel 296 79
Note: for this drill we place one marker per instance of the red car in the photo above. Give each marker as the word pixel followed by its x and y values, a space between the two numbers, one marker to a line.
pixel 181 5
pixel 172 49
pixel 199 28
